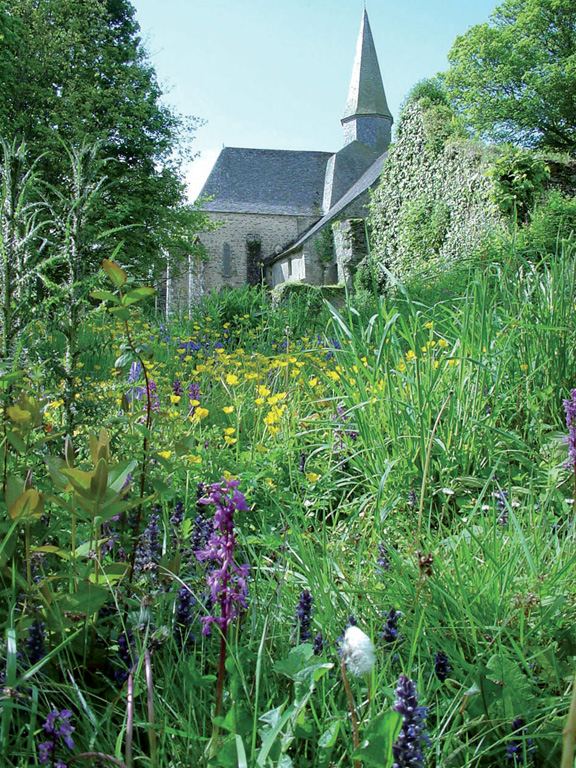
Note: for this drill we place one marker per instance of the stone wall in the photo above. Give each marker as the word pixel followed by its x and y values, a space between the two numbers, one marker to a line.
pixel 229 248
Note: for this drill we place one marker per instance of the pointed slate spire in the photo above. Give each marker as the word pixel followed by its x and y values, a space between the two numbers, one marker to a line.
pixel 366 97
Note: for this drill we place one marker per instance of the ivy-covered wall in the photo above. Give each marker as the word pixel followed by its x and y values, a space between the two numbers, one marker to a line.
pixel 434 203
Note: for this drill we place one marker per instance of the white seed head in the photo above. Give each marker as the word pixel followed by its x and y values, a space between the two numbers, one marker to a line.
pixel 357 652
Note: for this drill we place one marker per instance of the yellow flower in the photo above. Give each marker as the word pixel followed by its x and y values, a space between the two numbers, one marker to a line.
pixel 199 414
pixel 523 367
pixel 262 390
pixel 229 440
pixel 259 401
pixel 175 399
pixel 410 355
pixel 333 375
pixel 429 325
pixel 229 476
pixel 229 431
pixel 442 343
pixel 232 379
pixel 312 477
pixel 313 382
pixel 165 454
pixel 269 483
pixel 228 409
pixel 193 459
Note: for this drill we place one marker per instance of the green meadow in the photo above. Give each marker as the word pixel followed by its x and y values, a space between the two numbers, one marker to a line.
pixel 404 470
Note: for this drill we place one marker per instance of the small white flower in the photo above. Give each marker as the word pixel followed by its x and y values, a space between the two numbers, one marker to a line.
pixel 357 652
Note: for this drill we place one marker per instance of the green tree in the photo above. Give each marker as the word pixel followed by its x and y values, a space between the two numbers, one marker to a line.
pixel 514 78
pixel 75 72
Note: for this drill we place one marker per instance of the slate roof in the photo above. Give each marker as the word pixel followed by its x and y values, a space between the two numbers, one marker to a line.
pixel 366 181
pixel 366 95
pixel 272 181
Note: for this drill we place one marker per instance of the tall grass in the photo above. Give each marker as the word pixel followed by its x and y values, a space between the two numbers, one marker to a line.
pixel 405 466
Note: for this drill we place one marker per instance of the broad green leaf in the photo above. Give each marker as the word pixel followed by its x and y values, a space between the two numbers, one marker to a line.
pixel 105 296
pixel 15 440
pixel 55 464
pixel 119 472
pixel 28 506
pixel 99 481
pixel 115 273
pixel 375 749
pixel 295 661
pixel 136 294
pixel 121 312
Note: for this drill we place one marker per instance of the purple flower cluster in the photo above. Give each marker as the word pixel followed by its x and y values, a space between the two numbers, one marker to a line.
pixel 390 635
pixel 135 372
pixel 383 562
pixel 407 748
pixel 226 581
pixel 177 388
pixel 520 751
pixel 58 728
pixel 303 618
pixel 35 647
pixel 442 667
pixel 184 617
pixel 193 397
pixel 148 549
pixel 570 408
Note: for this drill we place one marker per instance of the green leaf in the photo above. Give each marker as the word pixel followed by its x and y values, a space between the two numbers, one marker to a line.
pixel 27 507
pixel 121 312
pixel 375 749
pixel 295 661
pixel 15 440
pixel 99 481
pixel 118 474
pixel 105 296
pixel 137 294
pixel 115 273
pixel 55 464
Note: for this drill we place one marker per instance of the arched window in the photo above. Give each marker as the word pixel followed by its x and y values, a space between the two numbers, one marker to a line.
pixel 226 261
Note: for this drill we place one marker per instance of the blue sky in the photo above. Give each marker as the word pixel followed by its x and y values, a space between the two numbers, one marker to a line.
pixel 274 74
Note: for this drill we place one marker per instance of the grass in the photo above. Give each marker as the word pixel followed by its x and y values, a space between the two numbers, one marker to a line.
pixel 431 431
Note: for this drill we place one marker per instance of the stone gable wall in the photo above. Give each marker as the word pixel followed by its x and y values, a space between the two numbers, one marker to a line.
pixel 226 265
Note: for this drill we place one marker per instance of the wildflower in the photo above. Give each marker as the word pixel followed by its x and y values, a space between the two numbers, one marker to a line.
pixel 318 644
pixel 391 635
pixel 441 666
pixel 412 501
pixel 383 563
pixel 357 651
pixel 570 408
pixel 177 388
pixel 35 642
pixel 58 728
pixel 502 506
pixel 226 581
pixel 407 749
pixel 303 617
pixel 148 550
pixel 520 751
pixel 178 514
pixel 135 372
pixel 184 617
pixel 124 660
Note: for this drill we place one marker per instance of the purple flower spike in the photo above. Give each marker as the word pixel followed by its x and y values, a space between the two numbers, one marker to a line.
pixel 226 581
pixel 59 729
pixel 407 748
pixel 570 408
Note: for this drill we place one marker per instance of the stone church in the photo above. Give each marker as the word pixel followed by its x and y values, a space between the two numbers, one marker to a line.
pixel 290 215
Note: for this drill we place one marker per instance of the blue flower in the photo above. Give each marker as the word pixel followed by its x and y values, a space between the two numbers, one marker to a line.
pixel 407 749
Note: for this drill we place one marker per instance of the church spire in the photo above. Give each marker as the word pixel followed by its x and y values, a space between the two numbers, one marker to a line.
pixel 367 117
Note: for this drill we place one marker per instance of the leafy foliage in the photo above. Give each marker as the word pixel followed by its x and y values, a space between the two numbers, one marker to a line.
pixel 519 182
pixel 514 78
pixel 432 206
pixel 76 73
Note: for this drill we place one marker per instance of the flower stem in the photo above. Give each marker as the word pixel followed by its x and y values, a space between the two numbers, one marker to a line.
pixel 352 707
